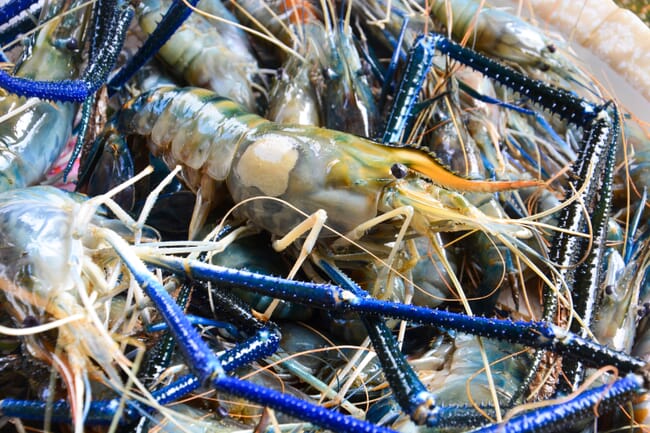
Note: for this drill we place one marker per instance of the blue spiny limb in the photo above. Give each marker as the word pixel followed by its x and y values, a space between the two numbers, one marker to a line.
pixel 21 26
pixel 411 394
pixel 203 362
pixel 177 13
pixel 104 18
pixel 419 61
pixel 559 417
pixel 386 411
pixel 331 297
pixel 538 117
pixel 588 275
pixel 631 241
pixel 387 79
pixel 93 77
pixel 65 90
pixel 110 41
pixel 196 320
pixel 557 101
pixel 160 356
pixel 568 251
pixel 102 412
pixel 207 367
pixel 82 131
pixel 262 344
pixel 229 307
pixel 13 8
pixel 235 310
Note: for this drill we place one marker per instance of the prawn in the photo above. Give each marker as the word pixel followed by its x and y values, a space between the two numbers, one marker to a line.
pixel 34 132
pixel 352 178
pixel 292 98
pixel 314 169
pixel 48 275
pixel 326 78
pixel 502 35
pixel 613 33
pixel 216 56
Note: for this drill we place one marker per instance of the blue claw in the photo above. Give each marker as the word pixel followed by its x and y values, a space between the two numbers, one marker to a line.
pixel 560 417
pixel 102 412
pixel 177 13
pixel 13 8
pixel 330 297
pixel 65 91
pixel 91 79
pixel 208 368
pixel 420 60
pixel 558 101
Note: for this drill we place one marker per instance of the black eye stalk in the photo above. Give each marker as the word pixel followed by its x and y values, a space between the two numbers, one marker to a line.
pixel 399 171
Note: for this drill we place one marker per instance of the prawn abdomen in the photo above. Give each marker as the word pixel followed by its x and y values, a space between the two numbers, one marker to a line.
pixel 191 127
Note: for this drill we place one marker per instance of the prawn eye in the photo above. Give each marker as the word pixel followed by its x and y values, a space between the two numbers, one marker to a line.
pixel 399 171
pixel 30 321
pixel 330 74
pixel 72 44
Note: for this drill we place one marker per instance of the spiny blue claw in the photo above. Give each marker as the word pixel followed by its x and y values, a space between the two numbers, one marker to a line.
pixel 175 16
pixel 21 26
pixel 110 47
pixel 99 414
pixel 296 407
pixel 557 101
pixel 411 394
pixel 419 62
pixel 104 18
pixel 331 297
pixel 205 364
pixel 13 8
pixel 559 417
pixel 86 112
pixel 207 367
pixel 159 358
pixel 102 412
pixel 64 91
pixel 588 273
pixel 91 80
